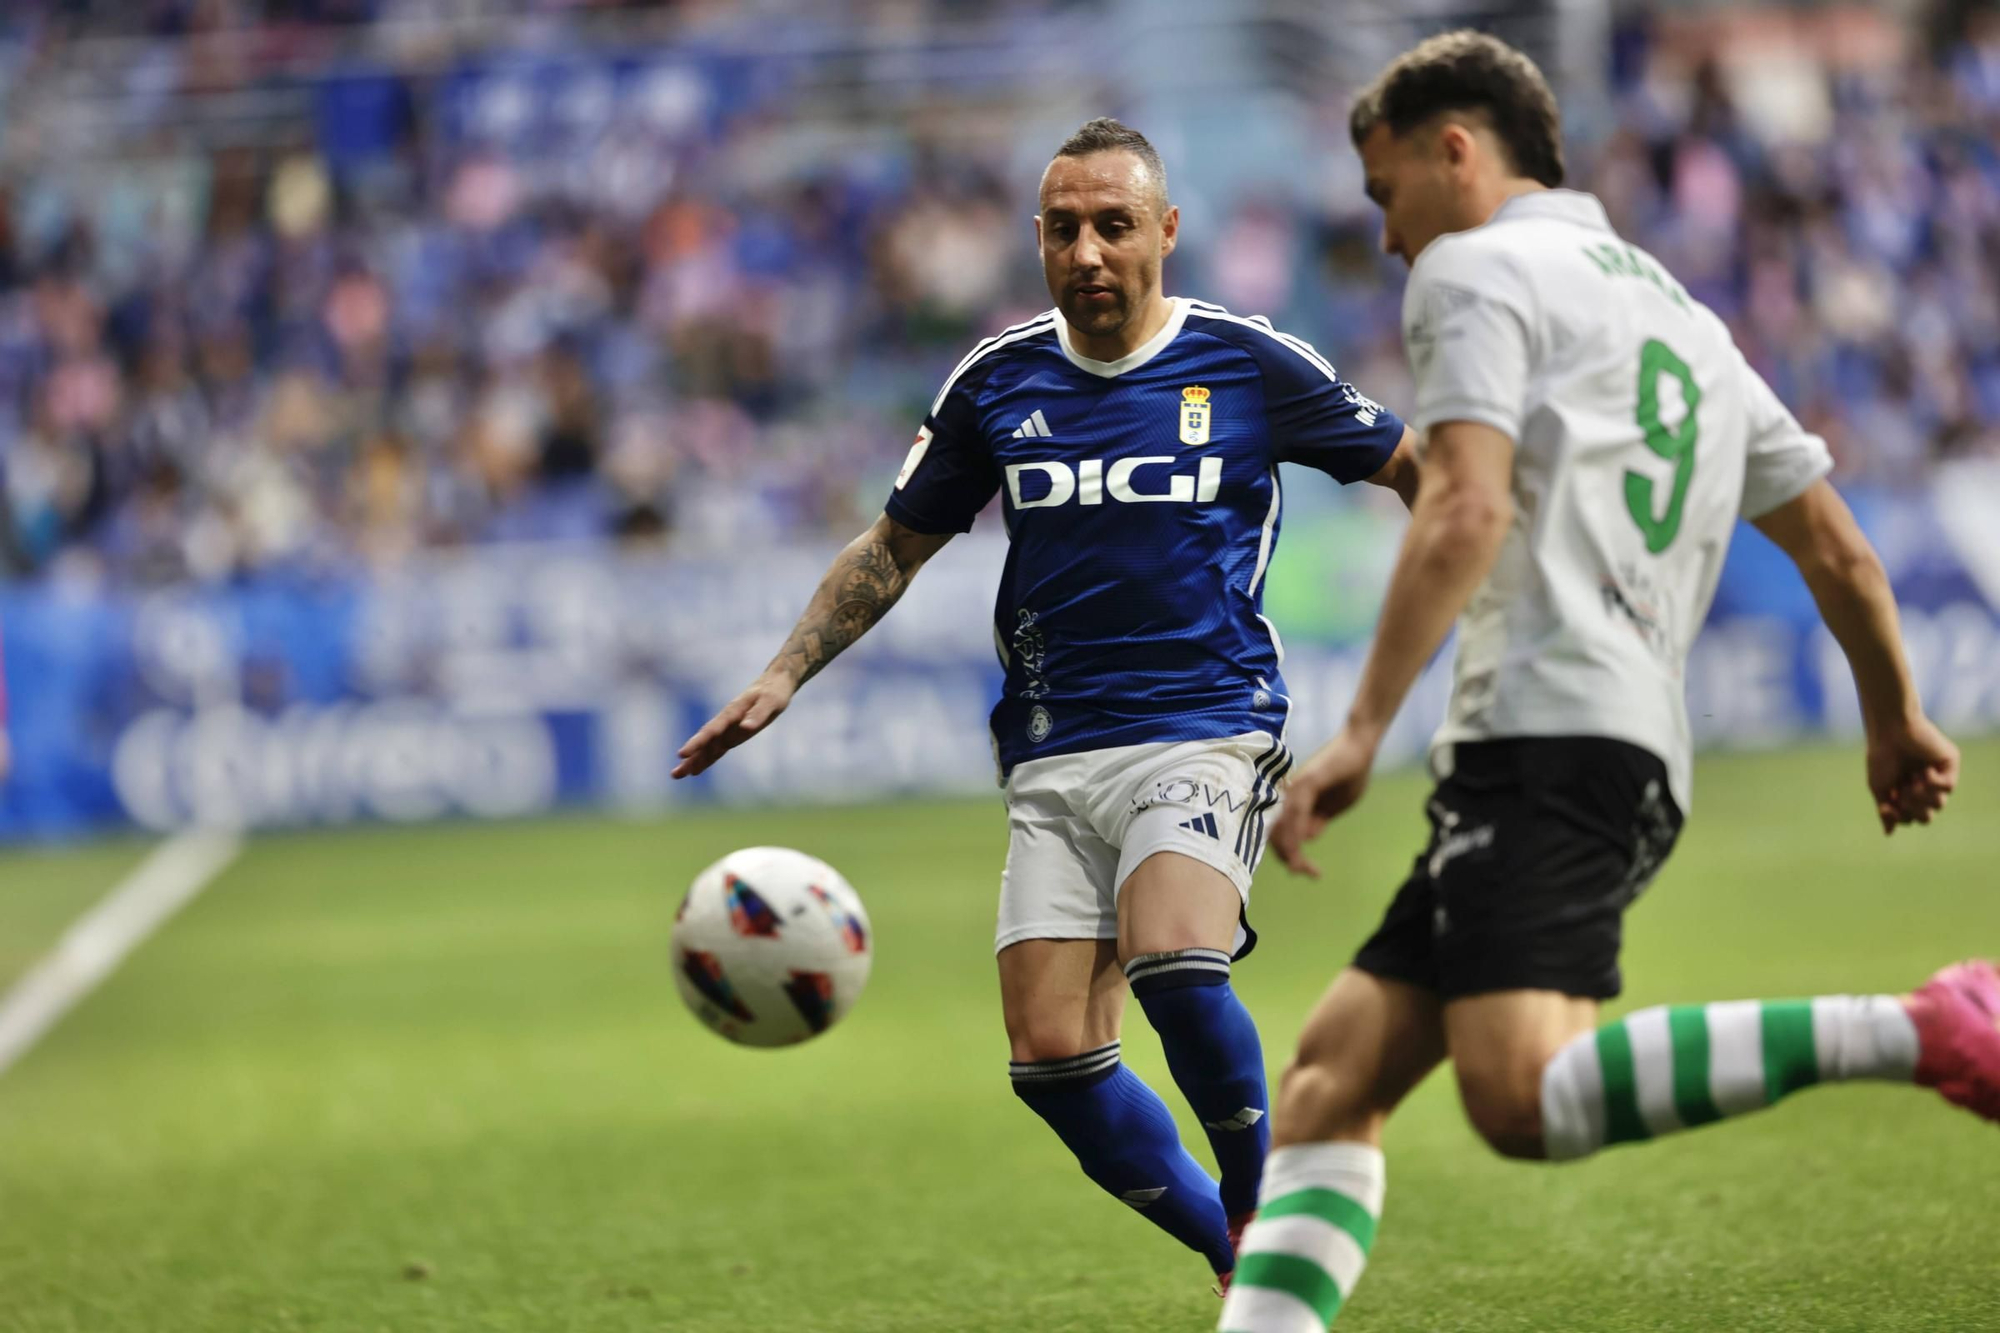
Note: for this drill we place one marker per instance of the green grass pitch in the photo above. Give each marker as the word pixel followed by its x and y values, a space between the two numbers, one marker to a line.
pixel 438 1079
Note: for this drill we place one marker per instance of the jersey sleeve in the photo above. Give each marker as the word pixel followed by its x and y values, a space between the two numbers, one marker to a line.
pixel 1469 328
pixel 1783 458
pixel 948 476
pixel 1317 418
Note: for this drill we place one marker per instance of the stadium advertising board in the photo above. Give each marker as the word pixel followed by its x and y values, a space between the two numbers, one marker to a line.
pixel 503 682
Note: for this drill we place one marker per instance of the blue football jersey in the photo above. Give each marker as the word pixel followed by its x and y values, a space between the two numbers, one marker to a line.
pixel 1141 500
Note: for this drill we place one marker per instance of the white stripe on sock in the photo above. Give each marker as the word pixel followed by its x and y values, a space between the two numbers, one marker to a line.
pixel 1311 1238
pixel 1049 1066
pixel 1183 965
pixel 1833 1036
pixel 1895 1037
pixel 1146 960
pixel 1035 1074
pixel 1266 1310
pixel 1653 1069
pixel 1573 1101
pixel 1354 1169
pixel 1736 1056
pixel 1864 1036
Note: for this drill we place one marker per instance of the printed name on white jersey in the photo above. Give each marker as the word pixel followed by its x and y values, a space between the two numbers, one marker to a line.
pixel 1094 478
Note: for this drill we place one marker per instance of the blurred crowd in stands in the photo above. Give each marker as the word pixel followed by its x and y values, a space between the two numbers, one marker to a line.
pixel 475 309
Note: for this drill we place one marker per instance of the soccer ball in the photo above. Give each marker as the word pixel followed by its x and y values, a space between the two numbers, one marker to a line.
pixel 771 946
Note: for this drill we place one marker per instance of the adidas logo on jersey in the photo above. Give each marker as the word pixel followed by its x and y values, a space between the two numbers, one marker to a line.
pixel 1094 478
pixel 1036 427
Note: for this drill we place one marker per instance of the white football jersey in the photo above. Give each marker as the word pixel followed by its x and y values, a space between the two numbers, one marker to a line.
pixel 1641 435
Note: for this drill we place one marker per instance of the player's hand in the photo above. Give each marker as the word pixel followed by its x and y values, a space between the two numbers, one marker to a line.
pixel 1331 782
pixel 740 719
pixel 1912 770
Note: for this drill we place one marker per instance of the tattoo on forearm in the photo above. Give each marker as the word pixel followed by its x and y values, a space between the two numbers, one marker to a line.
pixel 857 592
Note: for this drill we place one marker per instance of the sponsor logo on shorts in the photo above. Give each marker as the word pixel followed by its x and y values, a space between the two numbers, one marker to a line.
pixel 1653 834
pixel 1190 791
pixel 1452 841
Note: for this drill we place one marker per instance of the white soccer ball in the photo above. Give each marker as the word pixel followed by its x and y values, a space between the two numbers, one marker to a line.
pixel 771 946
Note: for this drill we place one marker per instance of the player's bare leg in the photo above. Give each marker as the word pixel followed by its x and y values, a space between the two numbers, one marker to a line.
pixel 1171 901
pixel 1369 1042
pixel 1062 1001
pixel 1060 998
pixel 1366 1046
pixel 1500 1044
pixel 1177 924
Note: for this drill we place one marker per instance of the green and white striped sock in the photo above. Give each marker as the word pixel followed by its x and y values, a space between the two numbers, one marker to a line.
pixel 1676 1067
pixel 1300 1259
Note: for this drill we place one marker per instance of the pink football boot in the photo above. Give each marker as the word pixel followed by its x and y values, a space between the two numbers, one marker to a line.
pixel 1957 1013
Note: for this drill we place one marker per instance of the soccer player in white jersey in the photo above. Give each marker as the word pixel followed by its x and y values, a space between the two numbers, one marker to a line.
pixel 1134 442
pixel 1591 435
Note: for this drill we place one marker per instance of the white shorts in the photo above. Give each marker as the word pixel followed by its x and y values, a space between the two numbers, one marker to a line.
pixel 1080 824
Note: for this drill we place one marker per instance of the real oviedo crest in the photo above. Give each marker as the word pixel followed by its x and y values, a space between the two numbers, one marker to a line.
pixel 1194 415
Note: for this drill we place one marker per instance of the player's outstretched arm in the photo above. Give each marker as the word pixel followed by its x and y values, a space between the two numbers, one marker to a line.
pixel 1463 511
pixel 1912 766
pixel 864 581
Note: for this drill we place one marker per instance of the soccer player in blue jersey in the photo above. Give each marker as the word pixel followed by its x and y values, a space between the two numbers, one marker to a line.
pixel 1134 442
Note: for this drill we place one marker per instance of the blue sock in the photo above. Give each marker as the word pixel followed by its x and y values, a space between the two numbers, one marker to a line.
pixel 1124 1138
pixel 1212 1048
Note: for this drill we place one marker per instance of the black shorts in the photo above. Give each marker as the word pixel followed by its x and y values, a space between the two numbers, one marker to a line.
pixel 1538 845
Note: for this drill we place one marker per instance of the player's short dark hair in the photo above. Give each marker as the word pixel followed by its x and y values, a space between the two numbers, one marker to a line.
pixel 1107 135
pixel 1469 71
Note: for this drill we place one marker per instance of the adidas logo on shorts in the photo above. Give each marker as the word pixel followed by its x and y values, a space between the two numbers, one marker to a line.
pixel 1203 823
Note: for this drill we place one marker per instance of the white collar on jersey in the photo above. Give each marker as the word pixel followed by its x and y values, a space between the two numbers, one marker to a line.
pixel 1131 360
pixel 1563 205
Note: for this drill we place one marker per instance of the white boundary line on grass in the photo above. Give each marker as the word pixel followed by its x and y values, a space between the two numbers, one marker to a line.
pixel 99 940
